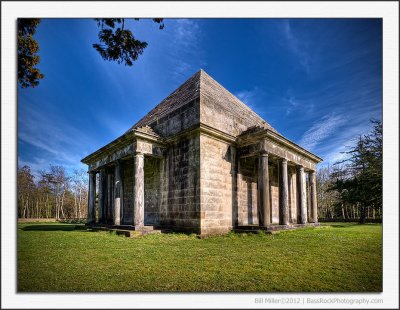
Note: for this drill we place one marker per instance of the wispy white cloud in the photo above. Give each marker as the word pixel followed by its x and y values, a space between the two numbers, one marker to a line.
pixel 341 141
pixel 41 164
pixel 58 145
pixel 297 46
pixel 186 52
pixel 321 130
pixel 247 96
pixel 294 103
pixel 253 98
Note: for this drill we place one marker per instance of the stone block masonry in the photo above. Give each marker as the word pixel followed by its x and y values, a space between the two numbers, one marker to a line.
pixel 202 162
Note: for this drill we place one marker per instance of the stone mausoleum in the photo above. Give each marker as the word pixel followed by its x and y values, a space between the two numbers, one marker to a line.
pixel 202 161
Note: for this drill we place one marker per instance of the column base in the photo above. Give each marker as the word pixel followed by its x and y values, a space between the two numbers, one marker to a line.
pixel 127 230
pixel 135 227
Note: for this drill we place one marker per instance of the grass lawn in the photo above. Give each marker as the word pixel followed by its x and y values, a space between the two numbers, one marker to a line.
pixel 336 257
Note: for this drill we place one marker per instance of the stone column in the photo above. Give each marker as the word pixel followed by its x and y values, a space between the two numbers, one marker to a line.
pixel 138 190
pixel 301 195
pixel 102 196
pixel 91 215
pixel 264 210
pixel 313 198
pixel 283 194
pixel 117 195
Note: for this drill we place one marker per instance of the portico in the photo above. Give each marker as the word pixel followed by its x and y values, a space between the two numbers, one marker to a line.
pixel 202 162
pixel 106 174
pixel 293 170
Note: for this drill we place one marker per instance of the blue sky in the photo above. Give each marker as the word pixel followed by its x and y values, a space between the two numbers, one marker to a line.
pixel 317 81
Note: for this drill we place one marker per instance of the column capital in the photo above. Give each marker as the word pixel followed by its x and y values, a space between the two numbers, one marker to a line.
pixel 117 162
pixel 138 153
pixel 283 160
pixel 263 153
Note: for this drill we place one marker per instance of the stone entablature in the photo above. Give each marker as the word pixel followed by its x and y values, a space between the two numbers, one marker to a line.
pixel 202 162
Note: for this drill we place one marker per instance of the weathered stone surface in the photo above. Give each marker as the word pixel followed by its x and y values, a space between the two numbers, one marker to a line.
pixel 127 185
pixel 110 197
pixel 138 190
pixel 113 156
pixel 313 197
pixel 221 110
pixel 92 198
pixel 283 194
pixel 292 194
pixel 152 190
pixel 264 204
pixel 216 184
pixel 102 196
pixel 301 195
pixel 274 191
pixel 180 201
pixel 247 191
pixel 202 161
pixel 117 194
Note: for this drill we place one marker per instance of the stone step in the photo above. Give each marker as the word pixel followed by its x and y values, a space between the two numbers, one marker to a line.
pixel 129 231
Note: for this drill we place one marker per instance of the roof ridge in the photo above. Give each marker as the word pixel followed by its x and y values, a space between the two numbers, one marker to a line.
pixel 168 104
pixel 201 84
pixel 232 95
pixel 204 76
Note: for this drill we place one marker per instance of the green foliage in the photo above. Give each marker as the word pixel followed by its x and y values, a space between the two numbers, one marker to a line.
pixel 119 44
pixel 359 180
pixel 55 194
pixel 341 257
pixel 28 74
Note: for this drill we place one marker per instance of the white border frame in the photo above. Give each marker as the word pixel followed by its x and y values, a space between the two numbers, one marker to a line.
pixel 11 10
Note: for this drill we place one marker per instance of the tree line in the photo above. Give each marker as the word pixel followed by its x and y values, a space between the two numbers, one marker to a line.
pixel 54 194
pixel 352 188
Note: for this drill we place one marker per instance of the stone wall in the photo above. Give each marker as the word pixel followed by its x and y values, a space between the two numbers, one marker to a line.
pixel 109 202
pixel 178 120
pixel 247 191
pixel 292 191
pixel 219 117
pixel 181 205
pixel 153 168
pixel 127 183
pixel 223 111
pixel 274 191
pixel 216 186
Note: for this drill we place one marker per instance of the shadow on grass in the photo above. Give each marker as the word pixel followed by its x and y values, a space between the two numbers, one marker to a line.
pixel 343 225
pixel 53 227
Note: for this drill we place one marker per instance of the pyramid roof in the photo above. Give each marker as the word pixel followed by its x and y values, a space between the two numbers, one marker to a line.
pixel 202 85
